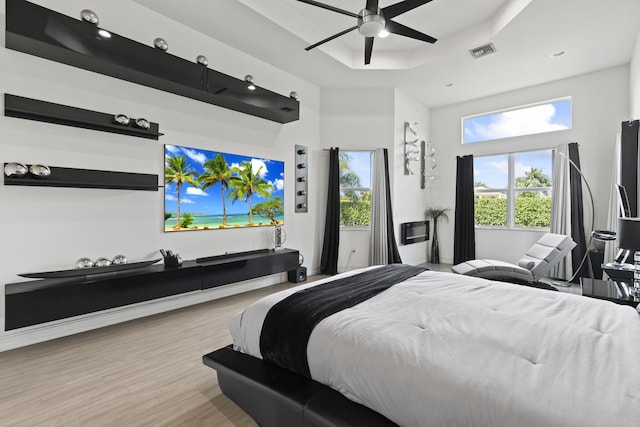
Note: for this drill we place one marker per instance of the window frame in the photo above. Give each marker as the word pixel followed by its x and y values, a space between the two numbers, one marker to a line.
pixel 511 191
pixel 515 108
pixel 361 189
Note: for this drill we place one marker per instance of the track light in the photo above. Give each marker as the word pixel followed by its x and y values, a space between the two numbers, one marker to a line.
pixel 249 79
pixel 89 16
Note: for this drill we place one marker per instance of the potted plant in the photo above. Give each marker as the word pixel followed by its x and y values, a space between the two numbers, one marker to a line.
pixel 435 213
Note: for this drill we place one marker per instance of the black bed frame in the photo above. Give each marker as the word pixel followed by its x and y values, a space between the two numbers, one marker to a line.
pixel 276 397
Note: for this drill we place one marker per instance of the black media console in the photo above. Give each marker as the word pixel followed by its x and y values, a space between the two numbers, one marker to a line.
pixel 40 301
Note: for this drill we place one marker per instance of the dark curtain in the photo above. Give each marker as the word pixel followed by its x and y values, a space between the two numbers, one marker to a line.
pixel 392 246
pixel 577 215
pixel 464 235
pixel 629 162
pixel 329 260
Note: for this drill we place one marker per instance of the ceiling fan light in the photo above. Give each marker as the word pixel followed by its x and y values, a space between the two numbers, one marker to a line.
pixel 384 33
pixel 370 24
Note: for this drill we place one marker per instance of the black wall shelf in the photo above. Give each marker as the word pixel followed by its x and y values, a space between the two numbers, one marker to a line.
pixel 33 109
pixel 40 301
pixel 88 178
pixel 45 33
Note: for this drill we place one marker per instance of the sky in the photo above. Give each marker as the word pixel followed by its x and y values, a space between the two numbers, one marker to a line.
pixel 360 163
pixel 197 201
pixel 540 118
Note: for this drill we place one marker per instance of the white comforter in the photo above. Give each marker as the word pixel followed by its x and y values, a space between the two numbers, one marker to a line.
pixel 448 350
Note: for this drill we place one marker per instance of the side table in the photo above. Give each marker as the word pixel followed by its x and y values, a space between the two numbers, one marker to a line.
pixel 617 291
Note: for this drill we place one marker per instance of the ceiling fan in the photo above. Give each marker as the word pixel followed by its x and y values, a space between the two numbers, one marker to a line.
pixel 374 21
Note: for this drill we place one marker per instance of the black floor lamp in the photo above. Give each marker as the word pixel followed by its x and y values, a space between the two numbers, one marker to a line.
pixel 591 229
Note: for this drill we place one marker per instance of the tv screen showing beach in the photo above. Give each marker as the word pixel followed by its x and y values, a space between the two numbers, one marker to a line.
pixel 205 190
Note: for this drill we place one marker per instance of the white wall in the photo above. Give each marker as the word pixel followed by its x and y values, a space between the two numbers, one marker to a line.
pixel 410 201
pixel 634 80
pixel 600 104
pixel 50 228
pixel 356 119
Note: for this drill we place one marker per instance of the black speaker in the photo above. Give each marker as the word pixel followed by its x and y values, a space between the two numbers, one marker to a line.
pixel 298 275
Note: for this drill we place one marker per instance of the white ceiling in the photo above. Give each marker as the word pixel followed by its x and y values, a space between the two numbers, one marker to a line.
pixel 596 34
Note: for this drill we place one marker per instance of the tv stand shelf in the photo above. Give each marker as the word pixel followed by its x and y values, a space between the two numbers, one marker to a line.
pixel 40 301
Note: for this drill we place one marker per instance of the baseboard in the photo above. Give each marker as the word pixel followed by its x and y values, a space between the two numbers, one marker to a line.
pixel 60 328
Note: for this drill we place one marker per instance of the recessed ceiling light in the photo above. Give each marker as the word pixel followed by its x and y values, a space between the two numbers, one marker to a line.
pixel 558 53
pixel 449 85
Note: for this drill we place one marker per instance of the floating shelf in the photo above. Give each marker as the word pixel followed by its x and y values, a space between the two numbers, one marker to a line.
pixel 48 34
pixel 39 301
pixel 33 109
pixel 88 178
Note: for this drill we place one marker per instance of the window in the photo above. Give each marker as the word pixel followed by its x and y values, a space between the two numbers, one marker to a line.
pixel 543 117
pixel 513 190
pixel 355 189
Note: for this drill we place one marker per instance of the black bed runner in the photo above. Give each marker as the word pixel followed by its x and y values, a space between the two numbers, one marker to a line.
pixel 289 323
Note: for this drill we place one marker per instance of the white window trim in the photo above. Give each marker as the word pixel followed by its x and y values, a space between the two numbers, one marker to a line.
pixel 369 189
pixel 511 191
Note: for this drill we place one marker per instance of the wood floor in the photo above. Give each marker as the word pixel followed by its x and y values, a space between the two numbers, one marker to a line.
pixel 146 372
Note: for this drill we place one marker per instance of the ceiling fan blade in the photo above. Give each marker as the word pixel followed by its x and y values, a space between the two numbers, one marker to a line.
pixel 342 33
pixel 368 49
pixel 401 7
pixel 401 30
pixel 331 8
pixel 372 5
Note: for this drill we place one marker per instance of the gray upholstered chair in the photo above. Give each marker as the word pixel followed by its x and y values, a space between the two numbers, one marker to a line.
pixel 539 259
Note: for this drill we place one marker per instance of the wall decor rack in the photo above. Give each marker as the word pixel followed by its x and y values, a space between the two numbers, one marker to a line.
pixel 40 301
pixel 88 178
pixel 38 31
pixel 43 111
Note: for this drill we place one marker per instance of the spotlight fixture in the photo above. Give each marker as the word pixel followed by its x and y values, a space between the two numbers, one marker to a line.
pixel 15 169
pixel 249 79
pixel 40 171
pixel 121 119
pixel 89 16
pixel 142 123
pixel 202 60
pixel 161 44
pixel 294 95
pixel 104 34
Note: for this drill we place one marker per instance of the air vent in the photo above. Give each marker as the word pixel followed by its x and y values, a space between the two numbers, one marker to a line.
pixel 484 50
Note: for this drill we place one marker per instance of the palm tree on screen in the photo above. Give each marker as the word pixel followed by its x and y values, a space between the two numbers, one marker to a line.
pixel 246 183
pixel 217 171
pixel 179 171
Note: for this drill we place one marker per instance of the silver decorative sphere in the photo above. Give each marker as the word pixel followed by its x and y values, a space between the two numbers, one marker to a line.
pixel 119 259
pixel 102 262
pixel 294 95
pixel 161 44
pixel 121 119
pixel 89 16
pixel 143 123
pixel 202 60
pixel 40 171
pixel 84 263
pixel 15 170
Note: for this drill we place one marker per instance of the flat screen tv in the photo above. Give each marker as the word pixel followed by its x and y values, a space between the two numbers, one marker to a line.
pixel 207 190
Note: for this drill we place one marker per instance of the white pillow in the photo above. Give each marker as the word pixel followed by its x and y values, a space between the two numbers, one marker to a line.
pixel 528 264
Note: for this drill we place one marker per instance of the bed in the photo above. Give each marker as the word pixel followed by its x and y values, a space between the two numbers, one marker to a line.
pixel 436 349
